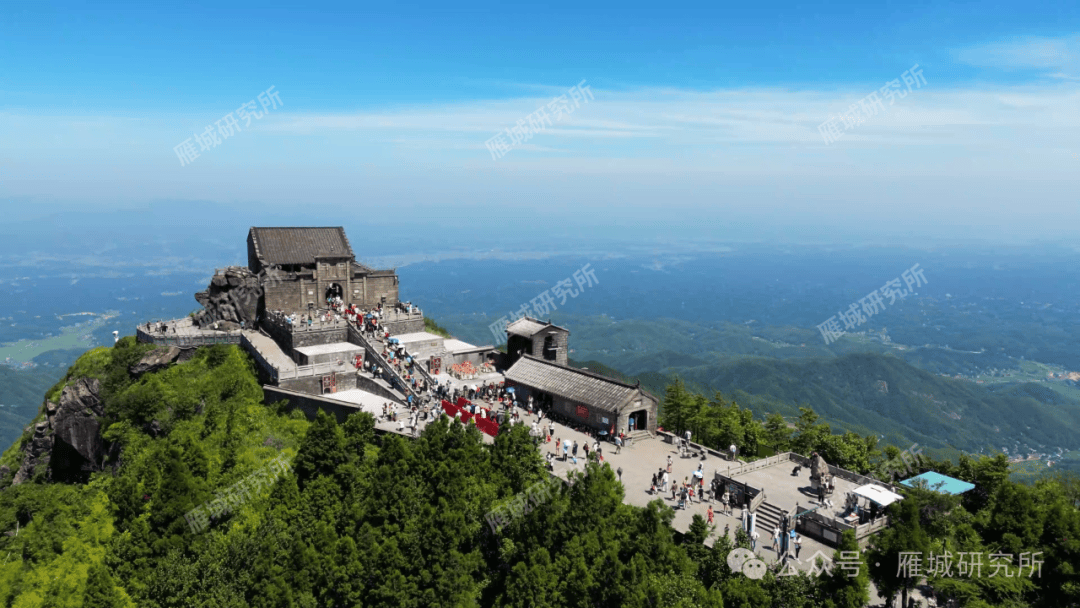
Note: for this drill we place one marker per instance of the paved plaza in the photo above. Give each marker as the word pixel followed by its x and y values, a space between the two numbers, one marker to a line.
pixel 646 456
pixel 788 491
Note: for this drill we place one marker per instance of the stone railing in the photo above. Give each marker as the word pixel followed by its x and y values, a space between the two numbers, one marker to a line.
pixel 319 369
pixel 276 321
pixel 867 529
pixel 673 439
pixel 355 336
pixel 860 479
pixel 423 373
pixel 231 337
pixel 259 357
pixel 839 526
pixel 756 501
pixel 391 315
pixel 831 522
pixel 739 469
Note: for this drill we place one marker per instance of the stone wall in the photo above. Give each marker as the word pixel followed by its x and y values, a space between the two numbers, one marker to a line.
pixel 378 286
pixel 299 335
pixel 559 345
pixel 291 293
pixel 476 357
pixel 370 385
pixel 313 384
pixel 347 356
pixel 309 404
pixel 321 336
pixel 597 418
pixel 410 326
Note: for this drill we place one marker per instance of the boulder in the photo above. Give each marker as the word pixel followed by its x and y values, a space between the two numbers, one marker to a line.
pixel 155 360
pixel 233 295
pixel 153 428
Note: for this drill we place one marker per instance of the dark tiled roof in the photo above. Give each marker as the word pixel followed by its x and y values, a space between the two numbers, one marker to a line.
pixel 572 384
pixel 524 327
pixel 528 327
pixel 299 245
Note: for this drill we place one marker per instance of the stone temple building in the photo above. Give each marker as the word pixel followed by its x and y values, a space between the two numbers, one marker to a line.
pixel 304 266
pixel 528 336
pixel 276 309
pixel 593 400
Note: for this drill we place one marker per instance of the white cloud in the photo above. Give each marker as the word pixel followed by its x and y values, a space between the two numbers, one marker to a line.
pixel 945 155
pixel 1059 57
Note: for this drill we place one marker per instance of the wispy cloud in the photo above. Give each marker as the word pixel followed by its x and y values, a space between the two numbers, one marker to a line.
pixel 972 150
pixel 1055 57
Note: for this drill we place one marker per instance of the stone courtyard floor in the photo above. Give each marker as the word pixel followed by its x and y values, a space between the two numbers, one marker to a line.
pixel 645 457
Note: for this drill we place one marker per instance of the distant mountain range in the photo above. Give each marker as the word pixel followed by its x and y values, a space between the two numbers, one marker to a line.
pixel 881 394
pixel 22 393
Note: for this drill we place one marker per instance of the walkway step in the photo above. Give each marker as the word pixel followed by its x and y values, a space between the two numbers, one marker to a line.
pixel 769 516
pixel 270 351
pixel 386 385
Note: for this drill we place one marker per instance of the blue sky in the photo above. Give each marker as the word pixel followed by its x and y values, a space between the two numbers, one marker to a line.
pixel 705 118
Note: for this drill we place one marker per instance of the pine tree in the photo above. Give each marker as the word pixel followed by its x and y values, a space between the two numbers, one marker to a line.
pixel 842 589
pixel 321 451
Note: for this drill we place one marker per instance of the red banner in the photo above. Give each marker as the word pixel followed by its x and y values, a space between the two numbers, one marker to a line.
pixel 582 411
pixel 486 425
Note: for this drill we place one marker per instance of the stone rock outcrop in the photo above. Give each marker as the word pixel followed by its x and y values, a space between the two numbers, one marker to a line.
pixel 155 360
pixel 67 444
pixel 233 296
pixel 36 453
pixel 77 448
pixel 153 428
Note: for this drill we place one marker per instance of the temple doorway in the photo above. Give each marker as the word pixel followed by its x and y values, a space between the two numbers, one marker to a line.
pixel 549 348
pixel 334 291
pixel 638 421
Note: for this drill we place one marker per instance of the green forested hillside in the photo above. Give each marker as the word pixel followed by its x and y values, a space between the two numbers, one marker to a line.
pixel 772 369
pixel 883 394
pixel 362 519
pixel 21 393
pixel 875 394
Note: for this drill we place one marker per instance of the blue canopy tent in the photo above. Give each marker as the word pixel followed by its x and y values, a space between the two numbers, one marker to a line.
pixel 939 483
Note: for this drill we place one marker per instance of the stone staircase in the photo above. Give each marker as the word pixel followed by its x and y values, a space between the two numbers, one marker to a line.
pixel 769 516
pixel 635 436
pixel 373 349
pixel 267 353
pixel 368 382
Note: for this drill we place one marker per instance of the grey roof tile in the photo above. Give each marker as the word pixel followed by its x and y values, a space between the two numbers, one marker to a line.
pixel 572 384
pixel 300 245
